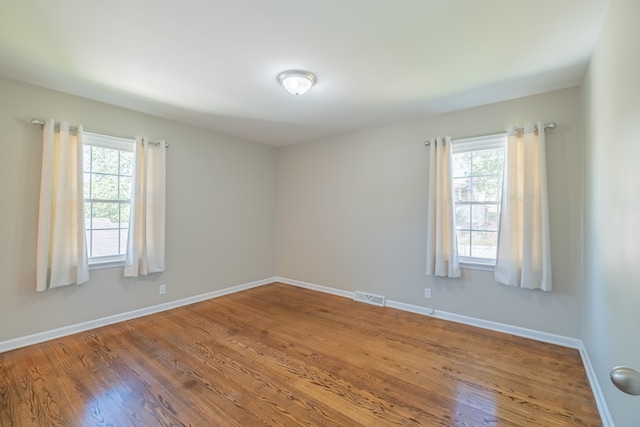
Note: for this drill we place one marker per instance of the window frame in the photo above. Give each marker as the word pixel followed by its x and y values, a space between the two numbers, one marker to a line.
pixel 477 143
pixel 94 139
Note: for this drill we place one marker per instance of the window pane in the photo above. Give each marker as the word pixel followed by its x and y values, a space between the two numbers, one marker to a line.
pixel 104 187
pixel 105 160
pixel 462 164
pixel 105 215
pixel 461 189
pixel 124 234
pixel 87 215
pixel 477 183
pixel 108 164
pixel 125 188
pixel 124 214
pixel 86 177
pixel 88 236
pixel 463 217
pixel 464 243
pixel 488 162
pixel 484 244
pixel 486 189
pixel 105 243
pixel 484 217
pixel 86 158
pixel 126 163
pixel 493 217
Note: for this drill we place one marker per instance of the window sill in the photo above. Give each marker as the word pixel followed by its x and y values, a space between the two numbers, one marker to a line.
pixel 477 266
pixel 99 265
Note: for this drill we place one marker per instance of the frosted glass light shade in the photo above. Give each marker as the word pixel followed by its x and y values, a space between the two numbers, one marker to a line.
pixel 297 82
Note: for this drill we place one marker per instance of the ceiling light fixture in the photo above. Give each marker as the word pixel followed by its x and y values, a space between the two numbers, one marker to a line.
pixel 297 82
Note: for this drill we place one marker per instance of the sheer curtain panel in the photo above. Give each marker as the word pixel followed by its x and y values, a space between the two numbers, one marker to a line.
pixel 524 254
pixel 62 249
pixel 442 246
pixel 145 247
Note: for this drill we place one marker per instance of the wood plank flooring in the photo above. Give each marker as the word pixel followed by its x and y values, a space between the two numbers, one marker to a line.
pixel 285 356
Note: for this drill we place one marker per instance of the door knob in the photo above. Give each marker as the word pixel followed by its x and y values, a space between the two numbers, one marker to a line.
pixel 626 379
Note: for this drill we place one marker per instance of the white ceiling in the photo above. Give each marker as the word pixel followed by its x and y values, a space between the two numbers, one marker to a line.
pixel 214 63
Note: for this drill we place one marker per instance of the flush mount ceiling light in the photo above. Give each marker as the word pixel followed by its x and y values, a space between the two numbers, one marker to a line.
pixel 297 82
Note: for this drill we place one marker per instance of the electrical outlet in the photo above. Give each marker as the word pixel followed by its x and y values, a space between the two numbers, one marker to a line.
pixel 163 289
pixel 427 293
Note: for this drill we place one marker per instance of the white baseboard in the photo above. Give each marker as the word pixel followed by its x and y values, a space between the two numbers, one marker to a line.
pixel 494 326
pixel 605 415
pixel 458 318
pixel 509 329
pixel 15 343
pixel 314 287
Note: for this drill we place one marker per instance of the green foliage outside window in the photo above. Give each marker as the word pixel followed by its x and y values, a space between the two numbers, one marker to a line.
pixel 477 186
pixel 107 183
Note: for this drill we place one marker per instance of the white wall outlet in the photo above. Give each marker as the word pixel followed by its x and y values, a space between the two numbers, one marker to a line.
pixel 163 289
pixel 427 293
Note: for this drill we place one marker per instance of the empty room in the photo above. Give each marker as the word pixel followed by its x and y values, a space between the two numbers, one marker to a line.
pixel 356 213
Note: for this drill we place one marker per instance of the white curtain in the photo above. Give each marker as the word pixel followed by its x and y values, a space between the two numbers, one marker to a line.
pixel 524 254
pixel 62 247
pixel 145 248
pixel 442 246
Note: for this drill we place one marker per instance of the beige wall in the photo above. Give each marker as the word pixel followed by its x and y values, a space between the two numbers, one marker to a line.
pixel 611 315
pixel 352 214
pixel 221 195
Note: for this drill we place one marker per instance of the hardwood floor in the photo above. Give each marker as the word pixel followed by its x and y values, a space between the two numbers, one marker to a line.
pixel 285 356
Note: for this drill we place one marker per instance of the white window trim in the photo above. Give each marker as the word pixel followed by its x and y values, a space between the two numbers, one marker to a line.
pixel 108 141
pixel 474 143
pixel 116 143
pixel 99 263
pixel 473 264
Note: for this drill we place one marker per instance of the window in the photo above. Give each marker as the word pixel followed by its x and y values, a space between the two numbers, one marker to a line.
pixel 108 167
pixel 478 165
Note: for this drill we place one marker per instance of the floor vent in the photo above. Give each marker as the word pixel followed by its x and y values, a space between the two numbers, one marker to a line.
pixel 369 298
